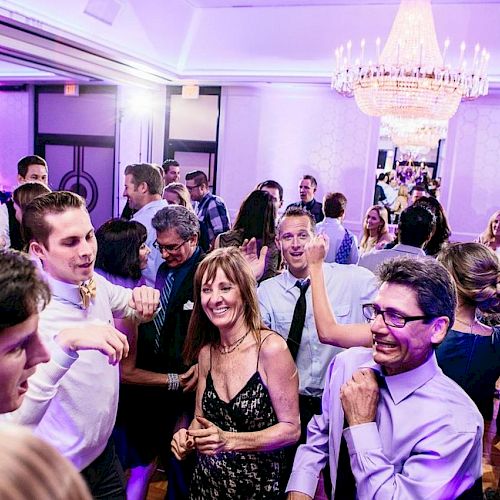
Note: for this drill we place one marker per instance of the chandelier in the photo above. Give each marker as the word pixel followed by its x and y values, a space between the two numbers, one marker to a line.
pixel 417 135
pixel 410 78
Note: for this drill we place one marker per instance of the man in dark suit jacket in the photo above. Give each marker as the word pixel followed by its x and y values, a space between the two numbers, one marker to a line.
pixel 153 410
pixel 307 189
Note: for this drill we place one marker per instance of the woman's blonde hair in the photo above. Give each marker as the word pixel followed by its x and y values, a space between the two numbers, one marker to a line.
pixel 476 272
pixel 487 237
pixel 31 468
pixel 201 330
pixel 383 229
pixel 403 190
pixel 181 191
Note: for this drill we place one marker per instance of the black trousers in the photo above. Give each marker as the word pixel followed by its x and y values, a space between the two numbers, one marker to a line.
pixel 105 477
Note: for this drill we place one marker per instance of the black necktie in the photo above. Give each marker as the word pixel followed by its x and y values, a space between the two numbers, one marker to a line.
pixel 299 317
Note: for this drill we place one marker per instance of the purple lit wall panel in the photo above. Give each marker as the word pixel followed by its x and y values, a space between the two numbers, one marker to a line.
pixel 15 135
pixel 87 114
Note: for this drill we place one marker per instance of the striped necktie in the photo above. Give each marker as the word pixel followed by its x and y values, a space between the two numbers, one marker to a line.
pixel 159 319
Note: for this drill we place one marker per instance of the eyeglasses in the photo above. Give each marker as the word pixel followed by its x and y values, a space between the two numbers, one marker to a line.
pixel 168 248
pixel 191 188
pixel 371 311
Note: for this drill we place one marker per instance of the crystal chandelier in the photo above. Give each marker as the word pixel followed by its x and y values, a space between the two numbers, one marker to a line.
pixel 410 78
pixel 417 135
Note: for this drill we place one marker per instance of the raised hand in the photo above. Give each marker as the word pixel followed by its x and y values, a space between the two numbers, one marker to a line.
pixel 316 249
pixel 257 262
pixel 103 338
pixel 145 301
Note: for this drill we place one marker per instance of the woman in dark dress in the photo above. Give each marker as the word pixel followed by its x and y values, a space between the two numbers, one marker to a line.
pixel 247 397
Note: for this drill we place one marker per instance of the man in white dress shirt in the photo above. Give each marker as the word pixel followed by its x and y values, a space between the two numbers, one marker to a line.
pixel 143 190
pixel 71 401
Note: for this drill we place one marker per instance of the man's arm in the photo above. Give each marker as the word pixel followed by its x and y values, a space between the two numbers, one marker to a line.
pixel 266 309
pixel 44 383
pixel 217 214
pixel 311 457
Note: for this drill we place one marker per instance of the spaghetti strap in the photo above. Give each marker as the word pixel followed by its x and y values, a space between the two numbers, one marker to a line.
pixel 258 353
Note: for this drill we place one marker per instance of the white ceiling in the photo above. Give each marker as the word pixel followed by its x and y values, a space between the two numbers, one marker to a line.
pixel 153 42
pixel 210 4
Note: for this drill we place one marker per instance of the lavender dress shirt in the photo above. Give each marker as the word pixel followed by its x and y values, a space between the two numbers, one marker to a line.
pixel 426 441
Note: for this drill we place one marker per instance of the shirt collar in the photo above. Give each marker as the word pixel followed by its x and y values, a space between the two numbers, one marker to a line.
pixel 152 204
pixel 291 280
pixel 309 204
pixel 402 385
pixel 68 292
pixel 408 249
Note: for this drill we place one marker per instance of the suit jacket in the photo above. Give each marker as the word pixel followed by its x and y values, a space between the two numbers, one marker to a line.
pixel 173 334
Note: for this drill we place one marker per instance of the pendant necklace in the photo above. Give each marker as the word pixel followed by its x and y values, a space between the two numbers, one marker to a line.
pixel 227 349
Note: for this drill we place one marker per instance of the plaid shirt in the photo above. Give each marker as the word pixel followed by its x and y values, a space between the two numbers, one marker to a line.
pixel 213 212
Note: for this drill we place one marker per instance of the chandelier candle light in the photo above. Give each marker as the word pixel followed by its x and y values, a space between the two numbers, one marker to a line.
pixel 410 80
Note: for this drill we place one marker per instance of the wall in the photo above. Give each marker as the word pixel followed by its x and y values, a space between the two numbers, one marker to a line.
pixel 471 186
pixel 282 131
pixel 16 134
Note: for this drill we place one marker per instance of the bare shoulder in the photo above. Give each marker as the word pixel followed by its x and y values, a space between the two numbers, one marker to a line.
pixel 272 346
pixel 204 358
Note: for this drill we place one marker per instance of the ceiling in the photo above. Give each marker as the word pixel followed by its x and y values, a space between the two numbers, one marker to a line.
pixel 211 4
pixel 151 43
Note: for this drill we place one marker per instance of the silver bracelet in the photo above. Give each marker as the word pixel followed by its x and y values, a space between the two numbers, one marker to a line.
pixel 173 383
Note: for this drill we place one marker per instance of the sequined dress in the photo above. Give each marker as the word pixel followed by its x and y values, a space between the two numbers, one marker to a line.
pixel 240 475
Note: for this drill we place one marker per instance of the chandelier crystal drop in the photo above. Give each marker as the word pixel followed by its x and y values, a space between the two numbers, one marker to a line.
pixel 414 134
pixel 410 77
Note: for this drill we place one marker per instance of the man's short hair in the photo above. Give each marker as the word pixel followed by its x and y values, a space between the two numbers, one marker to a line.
pixel 294 211
pixel 169 163
pixel 148 173
pixel 419 187
pixel 22 290
pixel 198 176
pixel 334 205
pixel 432 284
pixel 26 161
pixel 177 217
pixel 272 185
pixel 415 227
pixel 35 226
pixel 311 178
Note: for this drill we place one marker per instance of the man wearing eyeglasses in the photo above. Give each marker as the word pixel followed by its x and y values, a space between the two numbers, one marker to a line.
pixel 392 424
pixel 210 209
pixel 160 344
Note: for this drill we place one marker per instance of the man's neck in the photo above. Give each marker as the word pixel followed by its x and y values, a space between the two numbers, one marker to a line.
pixel 300 274
pixel 149 199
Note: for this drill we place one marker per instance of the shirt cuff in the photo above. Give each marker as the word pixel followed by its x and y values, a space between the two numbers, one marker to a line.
pixel 362 437
pixel 62 358
pixel 304 483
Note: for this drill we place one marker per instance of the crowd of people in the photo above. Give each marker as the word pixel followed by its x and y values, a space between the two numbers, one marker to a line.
pixel 271 358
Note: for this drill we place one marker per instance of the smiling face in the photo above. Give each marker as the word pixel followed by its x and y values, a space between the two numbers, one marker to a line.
pixel 373 222
pixel 399 350
pixel 306 190
pixel 69 255
pixel 294 233
pixel 133 193
pixel 222 303
pixel 21 349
